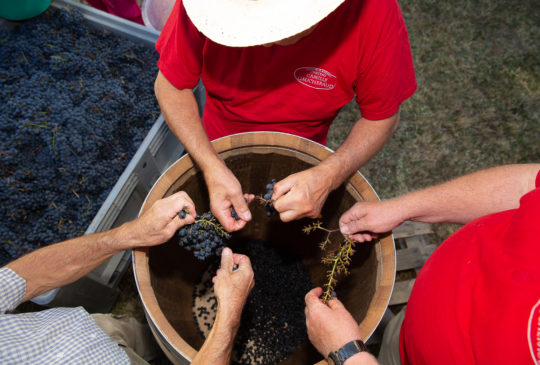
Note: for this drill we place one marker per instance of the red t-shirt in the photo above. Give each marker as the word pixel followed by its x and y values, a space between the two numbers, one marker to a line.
pixel 361 47
pixel 477 298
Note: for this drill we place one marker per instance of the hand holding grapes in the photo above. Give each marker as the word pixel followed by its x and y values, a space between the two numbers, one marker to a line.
pixel 329 326
pixel 161 221
pixel 365 218
pixel 232 284
pixel 225 193
pixel 301 195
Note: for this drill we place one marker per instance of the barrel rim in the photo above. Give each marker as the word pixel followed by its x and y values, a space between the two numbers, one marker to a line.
pixel 141 271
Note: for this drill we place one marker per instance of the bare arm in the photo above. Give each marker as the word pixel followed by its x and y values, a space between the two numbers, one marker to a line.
pixel 63 263
pixel 217 347
pixel 180 110
pixel 469 197
pixel 303 194
pixel 457 201
pixel 232 287
pixel 367 137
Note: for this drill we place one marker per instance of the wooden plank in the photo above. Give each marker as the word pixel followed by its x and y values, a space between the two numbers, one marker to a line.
pixel 402 292
pixel 427 250
pixel 416 241
pixel 409 258
pixel 413 257
pixel 409 229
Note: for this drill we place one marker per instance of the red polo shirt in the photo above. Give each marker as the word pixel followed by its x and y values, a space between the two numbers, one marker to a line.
pixel 362 47
pixel 477 298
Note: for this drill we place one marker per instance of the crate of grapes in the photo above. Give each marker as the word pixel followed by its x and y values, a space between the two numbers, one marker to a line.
pixel 81 139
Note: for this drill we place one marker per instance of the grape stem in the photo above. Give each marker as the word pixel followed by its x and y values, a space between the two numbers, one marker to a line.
pixel 339 261
pixel 211 222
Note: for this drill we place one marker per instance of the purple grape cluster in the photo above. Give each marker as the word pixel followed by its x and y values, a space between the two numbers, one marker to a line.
pixel 205 236
pixel 76 102
pixel 267 199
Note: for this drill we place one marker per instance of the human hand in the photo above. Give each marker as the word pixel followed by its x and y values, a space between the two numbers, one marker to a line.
pixel 301 195
pixel 160 222
pixel 232 285
pixel 225 192
pixel 365 218
pixel 329 326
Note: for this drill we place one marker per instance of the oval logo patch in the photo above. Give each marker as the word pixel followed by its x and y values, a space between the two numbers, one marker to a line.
pixel 316 78
pixel 533 334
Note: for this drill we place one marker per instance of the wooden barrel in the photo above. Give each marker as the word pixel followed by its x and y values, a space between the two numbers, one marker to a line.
pixel 166 275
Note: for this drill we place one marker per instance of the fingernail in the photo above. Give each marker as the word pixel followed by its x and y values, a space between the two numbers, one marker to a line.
pixel 246 215
pixel 345 230
pixel 226 251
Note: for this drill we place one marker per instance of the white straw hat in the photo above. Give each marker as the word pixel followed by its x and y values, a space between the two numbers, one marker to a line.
pixel 244 23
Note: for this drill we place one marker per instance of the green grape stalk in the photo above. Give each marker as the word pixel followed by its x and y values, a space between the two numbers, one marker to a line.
pixel 338 260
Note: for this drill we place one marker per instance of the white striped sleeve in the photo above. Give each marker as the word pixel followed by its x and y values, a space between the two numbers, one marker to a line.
pixel 12 289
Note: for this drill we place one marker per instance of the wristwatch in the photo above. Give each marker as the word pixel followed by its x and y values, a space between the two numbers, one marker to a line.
pixel 349 349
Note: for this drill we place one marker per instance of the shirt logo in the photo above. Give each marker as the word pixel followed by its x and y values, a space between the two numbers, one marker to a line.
pixel 533 333
pixel 315 77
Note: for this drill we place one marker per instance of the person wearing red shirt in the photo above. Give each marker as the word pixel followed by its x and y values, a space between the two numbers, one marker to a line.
pixel 286 66
pixel 476 300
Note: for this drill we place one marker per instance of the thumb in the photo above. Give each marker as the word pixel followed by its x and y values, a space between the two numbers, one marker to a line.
pixel 241 207
pixel 353 227
pixel 335 303
pixel 226 260
pixel 312 297
pixel 357 211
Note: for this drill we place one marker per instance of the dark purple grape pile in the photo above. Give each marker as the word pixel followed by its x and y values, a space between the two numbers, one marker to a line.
pixel 273 320
pixel 273 324
pixel 267 199
pixel 205 236
pixel 75 105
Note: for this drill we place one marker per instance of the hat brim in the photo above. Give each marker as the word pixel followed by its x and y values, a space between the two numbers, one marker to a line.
pixel 244 23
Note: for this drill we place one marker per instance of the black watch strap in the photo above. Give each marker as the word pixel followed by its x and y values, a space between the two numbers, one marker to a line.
pixel 338 357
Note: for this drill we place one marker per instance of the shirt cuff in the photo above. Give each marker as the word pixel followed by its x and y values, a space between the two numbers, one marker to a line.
pixel 12 289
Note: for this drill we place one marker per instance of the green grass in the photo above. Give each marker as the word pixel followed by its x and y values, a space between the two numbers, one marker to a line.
pixel 477 105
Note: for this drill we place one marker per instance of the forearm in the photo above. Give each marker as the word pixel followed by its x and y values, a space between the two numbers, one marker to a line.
pixel 181 113
pixel 218 346
pixel 364 141
pixel 62 263
pixel 469 197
